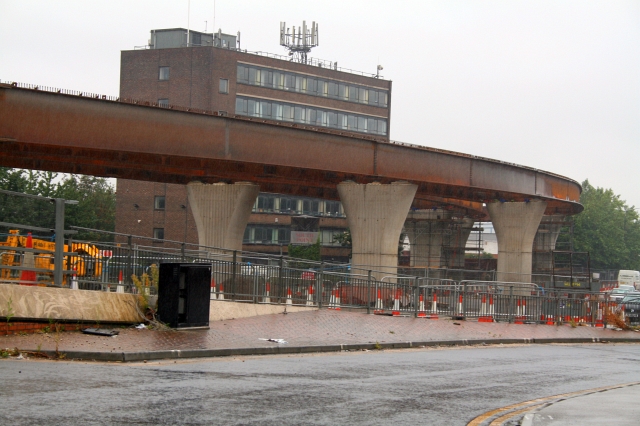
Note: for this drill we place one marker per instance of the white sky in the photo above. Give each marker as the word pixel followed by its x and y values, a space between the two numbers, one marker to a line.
pixel 553 84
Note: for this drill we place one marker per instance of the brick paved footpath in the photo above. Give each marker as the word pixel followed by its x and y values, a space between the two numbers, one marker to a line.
pixel 312 331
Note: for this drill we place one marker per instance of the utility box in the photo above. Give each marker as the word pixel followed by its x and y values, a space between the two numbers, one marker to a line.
pixel 183 294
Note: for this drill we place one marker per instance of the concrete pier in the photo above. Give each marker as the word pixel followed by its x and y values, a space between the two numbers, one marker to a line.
pixel 375 214
pixel 425 229
pixel 516 224
pixel 221 212
pixel 545 242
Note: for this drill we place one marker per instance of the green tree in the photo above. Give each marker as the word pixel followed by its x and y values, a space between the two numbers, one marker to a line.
pixel 95 208
pixel 608 229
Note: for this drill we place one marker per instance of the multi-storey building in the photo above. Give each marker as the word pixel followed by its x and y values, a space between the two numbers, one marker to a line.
pixel 208 71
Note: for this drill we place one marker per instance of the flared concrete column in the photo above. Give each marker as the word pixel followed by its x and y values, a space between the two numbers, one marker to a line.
pixel 221 212
pixel 516 224
pixel 456 260
pixel 425 229
pixel 375 214
pixel 545 242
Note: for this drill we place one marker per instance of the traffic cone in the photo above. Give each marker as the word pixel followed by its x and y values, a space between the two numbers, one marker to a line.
pixel 27 276
pixel 378 309
pixel 434 307
pixel 519 319
pixel 483 306
pixel 488 311
pixel 220 292
pixel 289 301
pixel 550 320
pixel 460 309
pixel 599 322
pixel 267 298
pixel 337 307
pixel 214 296
pixel 396 303
pixel 310 296
pixel 74 279
pixel 120 288
pixel 421 312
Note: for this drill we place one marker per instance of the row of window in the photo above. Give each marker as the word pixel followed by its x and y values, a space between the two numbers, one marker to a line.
pixel 279 204
pixel 312 207
pixel 275 110
pixel 281 80
pixel 260 234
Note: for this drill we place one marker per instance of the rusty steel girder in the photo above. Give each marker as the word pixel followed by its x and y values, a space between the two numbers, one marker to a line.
pixel 76 134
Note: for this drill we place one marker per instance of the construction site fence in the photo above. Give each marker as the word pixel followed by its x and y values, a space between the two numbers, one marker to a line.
pixel 254 278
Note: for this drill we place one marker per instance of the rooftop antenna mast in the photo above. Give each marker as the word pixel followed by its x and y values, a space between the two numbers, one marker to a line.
pixel 301 42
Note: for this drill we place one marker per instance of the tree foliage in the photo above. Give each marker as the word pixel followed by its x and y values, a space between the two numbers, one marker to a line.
pixel 608 229
pixel 95 208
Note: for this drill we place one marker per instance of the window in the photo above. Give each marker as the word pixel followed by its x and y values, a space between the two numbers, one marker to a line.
pixel 164 102
pixel 163 73
pixel 196 39
pixel 158 202
pixel 224 85
pixel 158 233
pixel 332 208
pixel 276 110
pixel 266 203
pixel 294 82
pixel 310 207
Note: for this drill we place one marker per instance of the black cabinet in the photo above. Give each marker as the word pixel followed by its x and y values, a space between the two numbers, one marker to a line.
pixel 183 294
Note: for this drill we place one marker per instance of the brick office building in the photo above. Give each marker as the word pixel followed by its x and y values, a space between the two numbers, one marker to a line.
pixel 210 72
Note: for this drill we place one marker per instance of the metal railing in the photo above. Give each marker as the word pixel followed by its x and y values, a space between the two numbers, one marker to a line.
pixel 261 278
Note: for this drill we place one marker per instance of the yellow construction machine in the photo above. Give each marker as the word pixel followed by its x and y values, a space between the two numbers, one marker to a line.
pixel 86 260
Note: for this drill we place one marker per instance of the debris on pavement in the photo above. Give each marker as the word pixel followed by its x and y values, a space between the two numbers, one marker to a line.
pixel 279 341
pixel 100 332
pixel 141 326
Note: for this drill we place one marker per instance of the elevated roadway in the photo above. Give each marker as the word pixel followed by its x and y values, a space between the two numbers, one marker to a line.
pixel 69 132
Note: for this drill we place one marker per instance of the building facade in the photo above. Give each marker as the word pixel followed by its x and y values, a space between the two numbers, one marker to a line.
pixel 208 71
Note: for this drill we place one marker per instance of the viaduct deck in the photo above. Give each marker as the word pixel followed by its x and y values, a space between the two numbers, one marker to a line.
pixel 76 133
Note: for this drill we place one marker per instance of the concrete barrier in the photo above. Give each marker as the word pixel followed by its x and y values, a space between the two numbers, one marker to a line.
pixel 224 310
pixel 62 304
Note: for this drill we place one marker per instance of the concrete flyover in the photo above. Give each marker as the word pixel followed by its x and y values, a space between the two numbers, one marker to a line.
pixel 79 133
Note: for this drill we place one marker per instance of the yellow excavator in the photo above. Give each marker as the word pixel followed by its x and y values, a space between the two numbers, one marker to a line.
pixel 86 259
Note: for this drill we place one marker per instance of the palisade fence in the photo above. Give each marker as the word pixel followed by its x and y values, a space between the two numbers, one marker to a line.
pixel 259 278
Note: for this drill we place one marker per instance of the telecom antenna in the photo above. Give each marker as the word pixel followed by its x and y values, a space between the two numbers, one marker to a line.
pixel 301 42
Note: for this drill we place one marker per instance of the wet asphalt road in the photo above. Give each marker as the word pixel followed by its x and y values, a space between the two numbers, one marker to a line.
pixel 431 386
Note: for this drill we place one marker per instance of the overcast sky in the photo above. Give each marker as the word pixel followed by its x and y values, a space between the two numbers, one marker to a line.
pixel 553 85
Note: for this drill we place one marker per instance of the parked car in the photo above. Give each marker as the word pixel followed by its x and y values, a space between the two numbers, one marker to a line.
pixel 631 303
pixel 617 294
